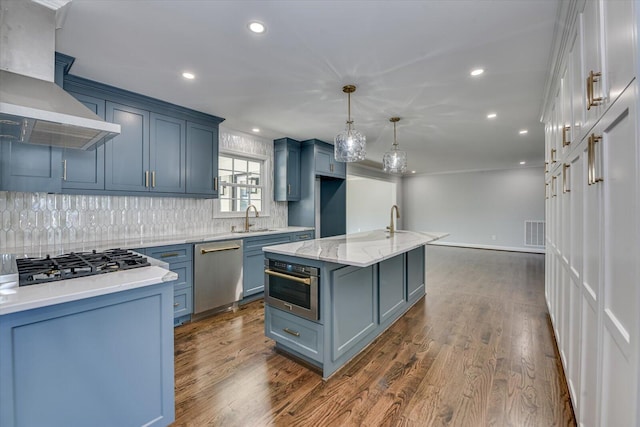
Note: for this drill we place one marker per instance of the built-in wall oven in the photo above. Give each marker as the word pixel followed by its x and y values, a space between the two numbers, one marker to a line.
pixel 293 288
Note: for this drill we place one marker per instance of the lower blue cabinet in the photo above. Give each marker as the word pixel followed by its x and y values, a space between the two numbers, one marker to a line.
pixel 180 260
pixel 253 261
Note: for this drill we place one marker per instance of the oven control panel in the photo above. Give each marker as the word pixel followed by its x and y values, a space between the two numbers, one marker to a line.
pixel 292 268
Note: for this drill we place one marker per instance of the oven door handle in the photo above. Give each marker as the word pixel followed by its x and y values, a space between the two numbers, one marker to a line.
pixel 306 281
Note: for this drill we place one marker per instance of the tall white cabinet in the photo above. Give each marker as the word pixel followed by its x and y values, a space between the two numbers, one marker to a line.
pixel 592 183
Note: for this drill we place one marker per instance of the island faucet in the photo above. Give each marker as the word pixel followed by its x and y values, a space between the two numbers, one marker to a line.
pixel 246 217
pixel 391 228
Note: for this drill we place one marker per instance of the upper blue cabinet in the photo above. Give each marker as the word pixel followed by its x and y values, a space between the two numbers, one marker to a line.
pixel 286 187
pixel 325 162
pixel 163 149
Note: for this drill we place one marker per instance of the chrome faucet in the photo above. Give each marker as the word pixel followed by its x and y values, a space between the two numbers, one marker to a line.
pixel 246 217
pixel 391 228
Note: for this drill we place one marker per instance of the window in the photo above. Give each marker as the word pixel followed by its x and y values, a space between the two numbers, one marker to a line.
pixel 241 183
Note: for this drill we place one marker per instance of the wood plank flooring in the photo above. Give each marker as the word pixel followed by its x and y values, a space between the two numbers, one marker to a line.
pixel 478 350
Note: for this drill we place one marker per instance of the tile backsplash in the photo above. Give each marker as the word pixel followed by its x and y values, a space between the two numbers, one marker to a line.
pixel 36 219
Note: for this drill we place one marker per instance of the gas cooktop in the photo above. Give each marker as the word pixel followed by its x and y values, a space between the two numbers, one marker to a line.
pixel 32 271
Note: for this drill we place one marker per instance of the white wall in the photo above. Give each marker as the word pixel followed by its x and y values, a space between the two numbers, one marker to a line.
pixel 370 195
pixel 474 206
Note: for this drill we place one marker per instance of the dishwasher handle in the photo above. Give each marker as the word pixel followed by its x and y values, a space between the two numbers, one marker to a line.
pixel 306 281
pixel 219 249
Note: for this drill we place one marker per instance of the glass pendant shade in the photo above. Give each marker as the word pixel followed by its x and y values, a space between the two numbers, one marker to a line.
pixel 349 145
pixel 394 160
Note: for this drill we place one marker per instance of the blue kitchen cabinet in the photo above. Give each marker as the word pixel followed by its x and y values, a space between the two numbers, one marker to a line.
pixel 415 274
pixel 392 289
pixel 354 308
pixel 101 361
pixel 84 169
pixel 127 155
pixel 180 260
pixel 29 167
pixel 301 335
pixel 168 152
pixel 325 162
pixel 253 261
pixel 286 170
pixel 202 160
pixel 302 235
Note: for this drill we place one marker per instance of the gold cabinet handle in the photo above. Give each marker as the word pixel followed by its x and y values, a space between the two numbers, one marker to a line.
pixel 565 142
pixel 546 167
pixel 553 186
pixel 291 332
pixel 553 155
pixel 331 167
pixel 215 184
pixel 169 255
pixel 565 186
pixel 64 170
pixel 595 139
pixel 153 179
pixel 176 304
pixel 546 191
pixel 591 100
pixel 306 281
pixel 304 237
pixel 146 179
pixel 288 188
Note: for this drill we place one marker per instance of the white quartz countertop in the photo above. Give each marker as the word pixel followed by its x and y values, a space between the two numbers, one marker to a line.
pixel 139 242
pixel 14 299
pixel 358 249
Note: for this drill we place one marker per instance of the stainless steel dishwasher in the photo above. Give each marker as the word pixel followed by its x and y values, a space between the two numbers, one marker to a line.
pixel 218 275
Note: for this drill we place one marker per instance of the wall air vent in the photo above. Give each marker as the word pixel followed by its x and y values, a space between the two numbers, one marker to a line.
pixel 534 233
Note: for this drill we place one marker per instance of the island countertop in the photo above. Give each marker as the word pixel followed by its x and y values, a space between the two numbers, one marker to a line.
pixel 358 249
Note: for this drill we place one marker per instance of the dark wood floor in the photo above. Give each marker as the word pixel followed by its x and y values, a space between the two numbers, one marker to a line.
pixel 478 350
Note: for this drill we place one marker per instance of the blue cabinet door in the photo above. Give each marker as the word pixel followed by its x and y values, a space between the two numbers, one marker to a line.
pixel 30 168
pixel 84 169
pixel 325 162
pixel 252 273
pixel 392 291
pixel 127 155
pixel 354 308
pixel 202 159
pixel 167 161
pixel 415 274
pixel 286 172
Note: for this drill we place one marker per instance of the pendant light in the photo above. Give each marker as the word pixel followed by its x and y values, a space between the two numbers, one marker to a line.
pixel 394 160
pixel 349 145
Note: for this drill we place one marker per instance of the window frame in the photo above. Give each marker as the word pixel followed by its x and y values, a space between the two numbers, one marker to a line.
pixel 264 176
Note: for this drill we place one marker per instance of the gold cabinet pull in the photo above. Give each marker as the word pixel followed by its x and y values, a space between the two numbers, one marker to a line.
pixel 153 179
pixel 146 179
pixel 546 167
pixel 595 138
pixel 553 155
pixel 176 304
pixel 219 249
pixel 169 255
pixel 546 191
pixel 565 186
pixel 215 184
pixel 64 170
pixel 553 186
pixel 291 332
pixel 591 80
pixel 331 167
pixel 565 142
pixel 288 188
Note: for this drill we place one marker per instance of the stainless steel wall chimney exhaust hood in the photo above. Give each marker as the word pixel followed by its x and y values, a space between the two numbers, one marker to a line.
pixel 33 109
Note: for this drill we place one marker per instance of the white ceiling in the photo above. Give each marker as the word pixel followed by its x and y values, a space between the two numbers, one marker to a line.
pixel 407 58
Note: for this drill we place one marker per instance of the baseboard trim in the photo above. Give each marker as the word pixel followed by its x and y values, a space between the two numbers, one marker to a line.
pixel 491 247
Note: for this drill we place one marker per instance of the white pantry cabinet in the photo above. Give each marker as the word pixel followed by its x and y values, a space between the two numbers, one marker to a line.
pixel 592 182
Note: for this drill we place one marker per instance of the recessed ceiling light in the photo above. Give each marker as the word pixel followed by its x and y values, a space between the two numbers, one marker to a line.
pixel 413 171
pixel 491 116
pixel 188 75
pixel 256 27
pixel 256 130
pixel 523 163
pixel 477 72
pixel 523 132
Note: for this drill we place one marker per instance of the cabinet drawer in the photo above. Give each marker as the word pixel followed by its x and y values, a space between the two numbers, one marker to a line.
pixel 171 254
pixel 299 334
pixel 185 275
pixel 256 243
pixel 302 235
pixel 182 302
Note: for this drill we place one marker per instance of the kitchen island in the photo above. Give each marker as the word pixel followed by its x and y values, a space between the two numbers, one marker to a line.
pixel 94 350
pixel 365 282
